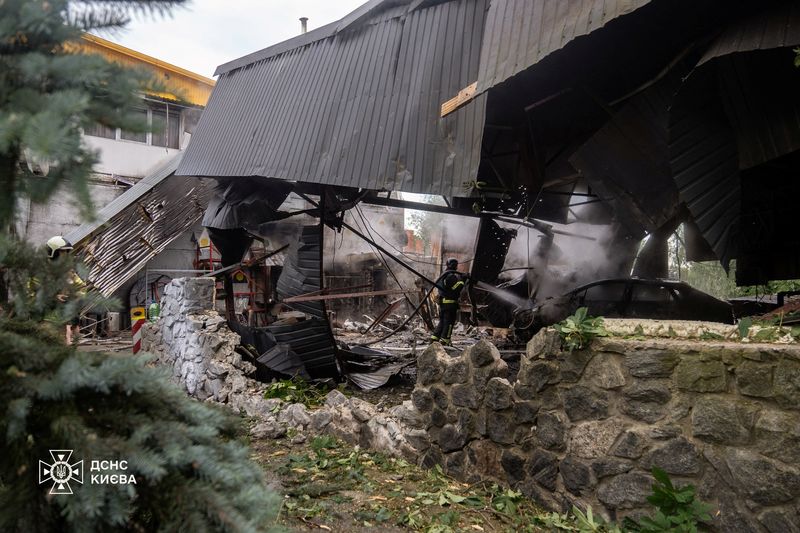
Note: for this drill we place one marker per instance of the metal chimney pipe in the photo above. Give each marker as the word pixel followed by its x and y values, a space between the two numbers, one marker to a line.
pixel 303 24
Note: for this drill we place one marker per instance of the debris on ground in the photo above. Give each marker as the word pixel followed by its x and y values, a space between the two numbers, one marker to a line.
pixel 333 486
pixel 788 314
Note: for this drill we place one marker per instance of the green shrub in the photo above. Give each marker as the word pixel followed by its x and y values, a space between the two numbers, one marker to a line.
pixel 578 330
pixel 677 510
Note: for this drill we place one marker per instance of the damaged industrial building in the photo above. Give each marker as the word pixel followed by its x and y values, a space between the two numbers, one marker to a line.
pixel 582 133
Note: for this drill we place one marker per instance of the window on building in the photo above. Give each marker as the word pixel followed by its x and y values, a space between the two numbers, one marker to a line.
pixel 101 130
pixel 166 127
pixel 164 121
pixel 138 137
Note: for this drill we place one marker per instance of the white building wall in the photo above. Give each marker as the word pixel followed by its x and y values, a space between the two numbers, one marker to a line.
pixel 127 158
pixel 61 214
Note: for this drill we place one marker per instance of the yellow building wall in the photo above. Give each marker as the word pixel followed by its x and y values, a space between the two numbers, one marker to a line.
pixel 182 85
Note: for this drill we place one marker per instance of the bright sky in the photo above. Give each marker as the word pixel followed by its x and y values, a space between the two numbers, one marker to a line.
pixel 207 33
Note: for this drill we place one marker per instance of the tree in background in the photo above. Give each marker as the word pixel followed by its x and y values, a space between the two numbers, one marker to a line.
pixel 190 472
pixel 427 225
pixel 710 277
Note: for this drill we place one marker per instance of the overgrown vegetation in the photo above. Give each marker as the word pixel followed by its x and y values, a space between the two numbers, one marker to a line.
pixel 577 520
pixel 578 330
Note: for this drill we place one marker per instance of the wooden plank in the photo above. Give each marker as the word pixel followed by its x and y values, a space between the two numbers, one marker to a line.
pixel 340 296
pixel 464 95
pixel 386 312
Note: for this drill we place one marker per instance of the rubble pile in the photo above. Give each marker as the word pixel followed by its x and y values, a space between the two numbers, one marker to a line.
pixel 197 345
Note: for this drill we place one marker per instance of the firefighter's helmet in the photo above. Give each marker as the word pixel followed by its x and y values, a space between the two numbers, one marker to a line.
pixel 56 245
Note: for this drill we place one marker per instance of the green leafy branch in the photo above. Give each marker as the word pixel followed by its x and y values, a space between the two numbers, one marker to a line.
pixel 578 330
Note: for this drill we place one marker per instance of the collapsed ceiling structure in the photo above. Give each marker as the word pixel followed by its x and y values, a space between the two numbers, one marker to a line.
pixel 652 113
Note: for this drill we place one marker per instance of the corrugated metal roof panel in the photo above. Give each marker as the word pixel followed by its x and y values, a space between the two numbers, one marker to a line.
pixel 302 271
pixel 778 26
pixel 113 208
pixel 627 161
pixel 116 250
pixel 357 104
pixel 520 33
pixel 311 339
pixel 727 118
pixel 705 167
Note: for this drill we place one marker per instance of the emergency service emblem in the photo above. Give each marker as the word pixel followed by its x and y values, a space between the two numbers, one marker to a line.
pixel 61 472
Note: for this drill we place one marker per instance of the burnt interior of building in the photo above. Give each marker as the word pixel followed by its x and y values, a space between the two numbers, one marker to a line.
pixel 649 120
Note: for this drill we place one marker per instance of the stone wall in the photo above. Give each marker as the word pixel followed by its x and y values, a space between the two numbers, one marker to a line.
pixel 196 344
pixel 587 427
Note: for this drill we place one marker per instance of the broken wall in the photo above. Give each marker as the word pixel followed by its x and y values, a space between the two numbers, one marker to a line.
pixel 198 348
pixel 587 427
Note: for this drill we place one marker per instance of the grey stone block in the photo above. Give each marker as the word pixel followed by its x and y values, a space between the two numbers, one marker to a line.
pixel 551 431
pixel 499 394
pixel 722 420
pixel 514 464
pixel 576 475
pixel 465 396
pixel 626 491
pixel 760 479
pixel 630 445
pixel 609 466
pixel 650 363
pixel 525 411
pixel 500 427
pixel 582 403
pixel 456 371
pixel 755 379
pixel 422 399
pixel 483 353
pixel 701 376
pixel 543 467
pixel 786 384
pixel 678 457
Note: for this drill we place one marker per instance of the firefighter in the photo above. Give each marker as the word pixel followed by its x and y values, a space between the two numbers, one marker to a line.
pixel 450 285
pixel 55 247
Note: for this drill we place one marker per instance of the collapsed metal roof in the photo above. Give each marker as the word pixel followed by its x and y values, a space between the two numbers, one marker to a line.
pixel 526 97
pixel 138 225
pixel 115 206
pixel 354 103
pixel 734 112
pixel 311 339
pixel 520 33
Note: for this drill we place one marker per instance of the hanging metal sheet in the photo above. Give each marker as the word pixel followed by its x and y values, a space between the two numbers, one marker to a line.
pixel 137 226
pixel 311 339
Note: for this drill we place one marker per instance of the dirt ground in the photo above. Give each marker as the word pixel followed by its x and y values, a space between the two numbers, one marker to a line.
pixel 331 486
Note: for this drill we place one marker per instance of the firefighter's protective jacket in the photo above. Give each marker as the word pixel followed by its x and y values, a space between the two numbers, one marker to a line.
pixel 450 285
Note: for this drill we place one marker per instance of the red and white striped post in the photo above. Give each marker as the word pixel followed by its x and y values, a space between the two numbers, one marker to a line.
pixel 137 321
